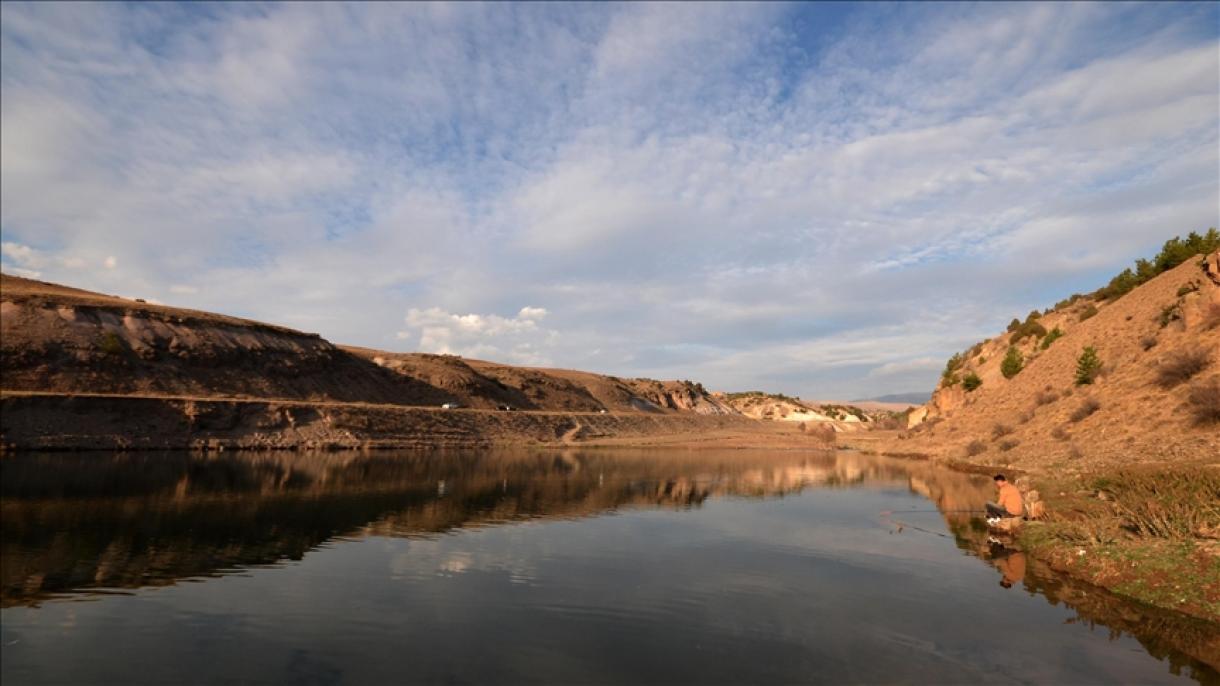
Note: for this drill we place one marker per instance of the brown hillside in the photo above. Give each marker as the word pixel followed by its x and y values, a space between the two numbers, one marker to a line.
pixel 56 339
pixel 1041 418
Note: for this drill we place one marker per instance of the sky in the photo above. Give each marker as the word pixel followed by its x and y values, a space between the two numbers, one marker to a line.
pixel 825 200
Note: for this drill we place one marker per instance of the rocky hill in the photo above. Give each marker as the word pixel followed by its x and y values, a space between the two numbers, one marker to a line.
pixel 782 408
pixel 1024 398
pixel 65 340
pixel 82 369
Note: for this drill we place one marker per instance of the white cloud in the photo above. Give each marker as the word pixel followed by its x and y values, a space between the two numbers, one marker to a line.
pixel 518 339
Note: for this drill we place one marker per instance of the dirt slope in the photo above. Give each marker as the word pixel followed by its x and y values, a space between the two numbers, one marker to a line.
pixel 58 339
pixel 1040 417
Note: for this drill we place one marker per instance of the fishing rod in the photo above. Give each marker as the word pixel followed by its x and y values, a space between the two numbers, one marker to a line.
pixel 886 513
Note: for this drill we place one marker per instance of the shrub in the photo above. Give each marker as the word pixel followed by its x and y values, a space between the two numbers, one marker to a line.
pixel 971 382
pixel 1088 312
pixel 1086 409
pixel 1014 325
pixel 1068 302
pixel 1181 367
pixel 1188 288
pixel 1000 430
pixel 949 376
pixel 1087 366
pixel 1170 313
pixel 976 447
pixel 1013 363
pixel 1009 444
pixel 1059 434
pixel 1148 342
pixel 1045 397
pixel 1204 402
pixel 110 344
pixel 1025 417
pixel 1054 335
pixel 1029 328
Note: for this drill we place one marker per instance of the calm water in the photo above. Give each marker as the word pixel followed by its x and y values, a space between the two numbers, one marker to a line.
pixel 555 567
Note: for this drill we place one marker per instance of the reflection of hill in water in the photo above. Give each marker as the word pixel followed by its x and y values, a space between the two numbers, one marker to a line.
pixel 79 522
pixel 73 523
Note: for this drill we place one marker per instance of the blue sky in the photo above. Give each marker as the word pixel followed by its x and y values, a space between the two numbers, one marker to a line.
pixel 821 199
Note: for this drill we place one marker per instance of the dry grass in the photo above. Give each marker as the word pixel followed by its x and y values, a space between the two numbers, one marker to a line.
pixel 1000 430
pixel 1008 444
pixel 1178 503
pixel 1086 409
pixel 1181 367
pixel 1204 402
pixel 1045 397
pixel 1058 433
pixel 976 447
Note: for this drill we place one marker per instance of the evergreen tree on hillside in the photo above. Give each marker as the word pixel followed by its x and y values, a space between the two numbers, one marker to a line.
pixel 1013 363
pixel 1087 366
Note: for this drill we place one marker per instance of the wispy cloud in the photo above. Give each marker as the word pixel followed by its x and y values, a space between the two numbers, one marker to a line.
pixel 819 199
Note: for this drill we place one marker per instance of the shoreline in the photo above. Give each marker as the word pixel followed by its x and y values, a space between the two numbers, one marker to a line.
pixel 1120 566
pixel 35 421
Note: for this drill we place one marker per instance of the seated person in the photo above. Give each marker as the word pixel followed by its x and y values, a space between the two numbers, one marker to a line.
pixel 1009 504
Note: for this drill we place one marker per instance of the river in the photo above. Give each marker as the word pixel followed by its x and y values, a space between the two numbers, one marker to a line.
pixel 593 566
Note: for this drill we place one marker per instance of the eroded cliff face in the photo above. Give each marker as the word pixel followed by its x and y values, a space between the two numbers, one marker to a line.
pixel 63 340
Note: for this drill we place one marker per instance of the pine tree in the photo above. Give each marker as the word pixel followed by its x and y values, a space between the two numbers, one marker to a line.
pixel 1013 363
pixel 1087 366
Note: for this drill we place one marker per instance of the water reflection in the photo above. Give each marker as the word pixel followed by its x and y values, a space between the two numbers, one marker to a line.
pixel 79 526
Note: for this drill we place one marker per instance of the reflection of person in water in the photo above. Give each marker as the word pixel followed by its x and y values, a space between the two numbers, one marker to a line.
pixel 1011 564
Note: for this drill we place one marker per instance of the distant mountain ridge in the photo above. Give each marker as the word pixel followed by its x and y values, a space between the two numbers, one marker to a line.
pixel 912 398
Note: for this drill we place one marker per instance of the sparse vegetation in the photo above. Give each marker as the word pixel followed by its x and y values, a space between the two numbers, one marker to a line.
pixel 1031 327
pixel 1087 366
pixel 1179 503
pixel 1175 251
pixel 1045 396
pixel 1086 410
pixel 1054 335
pixel 1088 312
pixel 110 344
pixel 1059 434
pixel 1148 342
pixel 1204 402
pixel 1013 363
pixel 1187 289
pixel 1181 367
pixel 1009 444
pixel 971 382
pixel 976 447
pixel 949 376
pixel 1170 313
pixel 1068 302
pixel 1000 430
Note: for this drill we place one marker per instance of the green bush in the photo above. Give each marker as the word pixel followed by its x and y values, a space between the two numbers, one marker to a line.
pixel 1013 363
pixel 949 376
pixel 110 344
pixel 1014 324
pixel 1087 366
pixel 1054 335
pixel 1088 312
pixel 1029 328
pixel 971 382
